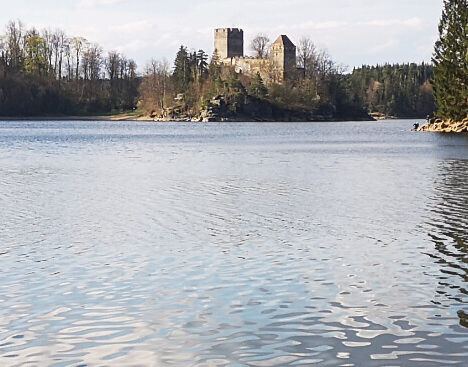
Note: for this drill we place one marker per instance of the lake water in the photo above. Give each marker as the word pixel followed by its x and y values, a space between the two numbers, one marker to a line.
pixel 256 244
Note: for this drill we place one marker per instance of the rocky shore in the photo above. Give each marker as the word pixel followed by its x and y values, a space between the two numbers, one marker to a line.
pixel 220 109
pixel 448 126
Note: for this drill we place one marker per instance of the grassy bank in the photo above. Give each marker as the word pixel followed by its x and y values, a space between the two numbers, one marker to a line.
pixel 125 116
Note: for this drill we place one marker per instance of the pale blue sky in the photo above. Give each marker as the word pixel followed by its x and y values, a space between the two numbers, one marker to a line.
pixel 353 31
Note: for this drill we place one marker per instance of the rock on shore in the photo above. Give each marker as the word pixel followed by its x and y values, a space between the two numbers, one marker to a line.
pixel 250 108
pixel 448 126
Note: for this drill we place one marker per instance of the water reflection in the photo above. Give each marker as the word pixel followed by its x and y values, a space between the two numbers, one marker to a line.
pixel 230 245
pixel 448 223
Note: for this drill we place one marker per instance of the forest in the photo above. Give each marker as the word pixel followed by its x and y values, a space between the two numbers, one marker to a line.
pixel 401 90
pixel 48 73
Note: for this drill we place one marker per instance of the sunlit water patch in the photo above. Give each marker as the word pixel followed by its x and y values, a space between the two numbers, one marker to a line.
pixel 339 244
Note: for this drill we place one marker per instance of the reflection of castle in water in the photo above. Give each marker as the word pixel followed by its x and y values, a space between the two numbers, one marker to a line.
pixel 280 66
pixel 449 231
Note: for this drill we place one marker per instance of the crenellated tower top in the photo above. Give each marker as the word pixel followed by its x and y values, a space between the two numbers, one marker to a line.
pixel 229 42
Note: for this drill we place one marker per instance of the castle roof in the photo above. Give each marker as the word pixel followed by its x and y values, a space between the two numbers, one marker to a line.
pixel 283 40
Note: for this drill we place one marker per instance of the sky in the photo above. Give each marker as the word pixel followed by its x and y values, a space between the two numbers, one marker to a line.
pixel 354 32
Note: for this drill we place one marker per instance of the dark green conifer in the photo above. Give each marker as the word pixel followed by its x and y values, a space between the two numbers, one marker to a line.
pixel 257 87
pixel 202 66
pixel 451 61
pixel 182 70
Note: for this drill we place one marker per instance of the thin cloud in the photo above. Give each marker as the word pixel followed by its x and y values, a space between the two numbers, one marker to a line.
pixel 408 23
pixel 135 45
pixel 389 45
pixel 133 27
pixel 96 3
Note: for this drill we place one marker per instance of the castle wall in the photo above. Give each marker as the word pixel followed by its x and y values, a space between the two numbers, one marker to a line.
pixel 251 66
pixel 281 66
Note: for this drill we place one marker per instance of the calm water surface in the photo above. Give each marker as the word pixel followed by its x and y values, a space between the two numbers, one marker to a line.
pixel 334 244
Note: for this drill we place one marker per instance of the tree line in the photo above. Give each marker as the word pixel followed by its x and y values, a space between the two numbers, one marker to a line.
pixel 48 72
pixel 403 90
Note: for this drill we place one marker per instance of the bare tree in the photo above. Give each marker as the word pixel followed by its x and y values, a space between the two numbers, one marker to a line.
pixel 77 43
pixel 47 35
pixel 325 64
pixel 155 85
pixel 307 56
pixel 92 61
pixel 113 64
pixel 261 46
pixel 15 39
pixel 3 50
pixel 59 40
pixel 316 61
pixel 132 66
pixel 123 67
pixel 67 48
pixel 3 44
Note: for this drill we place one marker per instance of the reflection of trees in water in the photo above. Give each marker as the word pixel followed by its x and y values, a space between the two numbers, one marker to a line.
pixel 449 226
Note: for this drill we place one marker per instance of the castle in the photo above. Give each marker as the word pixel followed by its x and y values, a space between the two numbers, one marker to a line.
pixel 280 66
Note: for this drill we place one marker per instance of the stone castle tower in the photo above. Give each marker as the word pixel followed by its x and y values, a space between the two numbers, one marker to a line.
pixel 283 56
pixel 280 66
pixel 229 42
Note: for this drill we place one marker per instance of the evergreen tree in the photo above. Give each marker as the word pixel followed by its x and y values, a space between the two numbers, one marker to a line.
pixel 182 71
pixel 235 85
pixel 451 61
pixel 202 65
pixel 257 87
pixel 214 69
pixel 193 64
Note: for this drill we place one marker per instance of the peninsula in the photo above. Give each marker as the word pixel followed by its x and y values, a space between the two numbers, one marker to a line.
pixel 52 75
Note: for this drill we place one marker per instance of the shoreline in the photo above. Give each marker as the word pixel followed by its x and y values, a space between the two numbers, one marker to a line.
pixel 119 117
pixel 446 126
pixel 147 118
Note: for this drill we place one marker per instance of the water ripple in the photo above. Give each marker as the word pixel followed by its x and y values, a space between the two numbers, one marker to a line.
pixel 232 245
